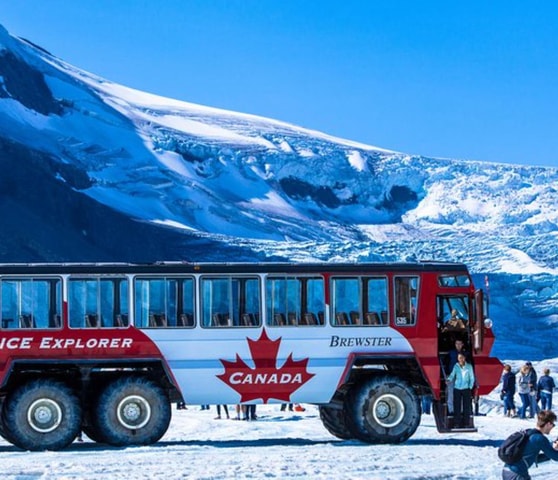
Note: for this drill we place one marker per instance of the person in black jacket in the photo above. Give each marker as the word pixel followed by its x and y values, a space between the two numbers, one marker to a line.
pixel 452 355
pixel 508 391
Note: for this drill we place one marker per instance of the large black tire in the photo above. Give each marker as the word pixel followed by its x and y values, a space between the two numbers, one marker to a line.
pixel 42 414
pixel 383 409
pixel 334 418
pixel 131 411
pixel 3 430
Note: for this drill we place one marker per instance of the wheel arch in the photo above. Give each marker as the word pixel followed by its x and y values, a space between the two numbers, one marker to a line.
pixel 360 367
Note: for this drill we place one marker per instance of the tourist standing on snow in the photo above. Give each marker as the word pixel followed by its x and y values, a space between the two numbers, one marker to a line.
pixel 226 410
pixel 463 380
pixel 532 380
pixel 508 391
pixel 545 387
pixel 523 390
pixel 459 348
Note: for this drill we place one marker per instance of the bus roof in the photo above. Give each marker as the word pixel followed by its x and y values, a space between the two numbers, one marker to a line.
pixel 226 267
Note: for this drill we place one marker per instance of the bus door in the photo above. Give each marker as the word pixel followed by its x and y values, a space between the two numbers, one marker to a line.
pixel 454 332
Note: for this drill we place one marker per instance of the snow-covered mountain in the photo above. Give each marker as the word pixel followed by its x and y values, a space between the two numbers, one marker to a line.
pixel 92 170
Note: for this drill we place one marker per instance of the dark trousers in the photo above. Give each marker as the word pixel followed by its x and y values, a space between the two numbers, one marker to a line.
pixel 509 404
pixel 251 412
pixel 509 475
pixel 461 407
pixel 225 407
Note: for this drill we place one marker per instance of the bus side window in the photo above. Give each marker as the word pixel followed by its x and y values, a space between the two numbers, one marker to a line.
pixel 30 302
pixel 406 294
pixel 375 300
pixel 230 301
pixel 283 301
pixel 313 300
pixel 164 302
pixel 120 316
pixel 295 301
pixel 185 303
pixel 345 300
pixel 95 302
pixel 359 301
pixel 249 302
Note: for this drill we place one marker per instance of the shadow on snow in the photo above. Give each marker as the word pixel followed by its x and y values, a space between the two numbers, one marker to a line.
pixel 273 442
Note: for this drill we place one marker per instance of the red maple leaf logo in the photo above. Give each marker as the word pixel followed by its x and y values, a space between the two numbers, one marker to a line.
pixel 265 381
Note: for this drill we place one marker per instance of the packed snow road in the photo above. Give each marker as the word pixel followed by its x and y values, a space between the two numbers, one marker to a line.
pixel 292 445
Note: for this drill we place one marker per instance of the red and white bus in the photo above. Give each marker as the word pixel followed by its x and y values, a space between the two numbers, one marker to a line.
pixel 108 348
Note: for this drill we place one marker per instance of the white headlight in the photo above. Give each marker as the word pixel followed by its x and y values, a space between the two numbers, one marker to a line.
pixel 488 323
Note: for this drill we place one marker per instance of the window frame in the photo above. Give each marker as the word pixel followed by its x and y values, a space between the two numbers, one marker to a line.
pixel 96 319
pixel 181 318
pixel 234 313
pixel 406 318
pixel 297 311
pixel 364 311
pixel 28 319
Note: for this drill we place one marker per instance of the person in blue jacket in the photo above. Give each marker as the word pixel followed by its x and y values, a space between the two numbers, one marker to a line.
pixel 545 387
pixel 463 379
pixel 535 444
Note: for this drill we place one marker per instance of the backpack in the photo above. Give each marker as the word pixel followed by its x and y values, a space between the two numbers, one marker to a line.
pixel 512 447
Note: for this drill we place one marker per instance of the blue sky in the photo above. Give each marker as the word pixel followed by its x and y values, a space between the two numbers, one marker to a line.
pixel 475 80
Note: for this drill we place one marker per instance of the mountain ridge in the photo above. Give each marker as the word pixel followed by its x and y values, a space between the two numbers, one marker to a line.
pixel 100 172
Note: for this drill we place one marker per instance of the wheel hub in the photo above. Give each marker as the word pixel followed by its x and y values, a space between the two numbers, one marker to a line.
pixel 388 410
pixel 383 410
pixel 133 412
pixel 44 415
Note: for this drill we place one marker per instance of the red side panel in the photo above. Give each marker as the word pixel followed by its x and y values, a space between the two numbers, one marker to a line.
pixel 78 344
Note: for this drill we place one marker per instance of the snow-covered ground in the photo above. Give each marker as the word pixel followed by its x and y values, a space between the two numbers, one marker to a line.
pixel 282 445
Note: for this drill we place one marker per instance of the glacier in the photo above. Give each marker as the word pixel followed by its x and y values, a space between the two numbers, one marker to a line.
pixel 96 171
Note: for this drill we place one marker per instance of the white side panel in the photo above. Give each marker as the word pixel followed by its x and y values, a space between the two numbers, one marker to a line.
pixel 194 356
